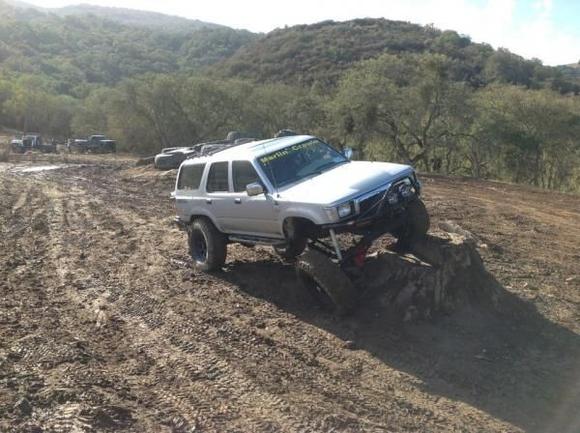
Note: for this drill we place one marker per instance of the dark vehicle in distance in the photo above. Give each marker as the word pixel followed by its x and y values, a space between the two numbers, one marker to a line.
pixel 97 143
pixel 30 143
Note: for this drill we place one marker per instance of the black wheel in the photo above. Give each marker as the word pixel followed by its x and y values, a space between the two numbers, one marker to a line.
pixel 292 249
pixel 416 224
pixel 326 282
pixel 207 246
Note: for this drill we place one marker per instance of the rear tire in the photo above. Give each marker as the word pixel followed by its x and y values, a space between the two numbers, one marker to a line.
pixel 207 246
pixel 416 224
pixel 328 284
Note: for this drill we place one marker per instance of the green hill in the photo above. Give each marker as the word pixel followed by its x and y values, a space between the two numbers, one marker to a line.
pixel 395 90
pixel 73 48
pixel 136 18
pixel 131 17
pixel 79 45
pixel 321 53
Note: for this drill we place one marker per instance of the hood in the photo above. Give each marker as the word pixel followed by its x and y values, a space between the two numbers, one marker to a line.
pixel 344 182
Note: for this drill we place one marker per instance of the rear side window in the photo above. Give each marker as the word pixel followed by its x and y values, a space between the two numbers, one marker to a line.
pixel 190 176
pixel 217 180
pixel 243 174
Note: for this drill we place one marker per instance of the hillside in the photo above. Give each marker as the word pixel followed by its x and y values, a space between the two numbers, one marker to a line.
pixel 322 52
pixel 72 48
pixel 131 17
pixel 572 70
pixel 454 106
pixel 90 44
pixel 136 18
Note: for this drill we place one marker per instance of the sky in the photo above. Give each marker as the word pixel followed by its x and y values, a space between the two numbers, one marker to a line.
pixel 545 29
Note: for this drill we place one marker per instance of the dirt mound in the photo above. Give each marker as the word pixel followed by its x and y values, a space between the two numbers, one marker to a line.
pixel 441 274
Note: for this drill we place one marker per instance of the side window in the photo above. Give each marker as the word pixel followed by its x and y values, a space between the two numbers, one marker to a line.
pixel 190 176
pixel 243 174
pixel 217 180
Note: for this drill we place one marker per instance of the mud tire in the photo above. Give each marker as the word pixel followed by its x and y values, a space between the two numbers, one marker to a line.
pixel 292 249
pixel 328 284
pixel 207 246
pixel 416 225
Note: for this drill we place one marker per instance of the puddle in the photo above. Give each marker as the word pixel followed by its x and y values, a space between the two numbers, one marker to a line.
pixel 31 169
pixel 39 169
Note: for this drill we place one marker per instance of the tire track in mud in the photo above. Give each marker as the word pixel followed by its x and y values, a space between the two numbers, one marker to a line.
pixel 232 388
pixel 161 332
pixel 144 316
pixel 38 346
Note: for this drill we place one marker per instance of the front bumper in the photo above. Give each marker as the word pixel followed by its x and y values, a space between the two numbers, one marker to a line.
pixel 381 215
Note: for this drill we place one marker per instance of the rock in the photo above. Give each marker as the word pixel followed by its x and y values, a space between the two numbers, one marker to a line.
pixel 439 275
pixel 23 406
pixel 350 345
pixel 451 227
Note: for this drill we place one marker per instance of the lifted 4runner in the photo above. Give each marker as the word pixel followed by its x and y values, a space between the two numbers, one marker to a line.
pixel 297 194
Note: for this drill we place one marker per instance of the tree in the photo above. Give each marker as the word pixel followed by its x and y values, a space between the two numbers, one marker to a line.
pixel 534 134
pixel 406 105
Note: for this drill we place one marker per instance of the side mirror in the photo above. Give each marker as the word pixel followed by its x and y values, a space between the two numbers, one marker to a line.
pixel 347 152
pixel 254 189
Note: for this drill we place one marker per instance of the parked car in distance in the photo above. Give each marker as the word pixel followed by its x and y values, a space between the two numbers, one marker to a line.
pixel 97 143
pixel 172 157
pixel 30 143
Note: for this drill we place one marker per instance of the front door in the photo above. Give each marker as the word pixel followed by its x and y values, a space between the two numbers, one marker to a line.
pixel 249 215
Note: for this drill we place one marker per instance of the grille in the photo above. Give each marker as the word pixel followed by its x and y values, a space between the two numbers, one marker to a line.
pixel 367 204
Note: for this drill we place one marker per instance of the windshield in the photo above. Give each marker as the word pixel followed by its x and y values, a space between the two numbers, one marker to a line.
pixel 300 161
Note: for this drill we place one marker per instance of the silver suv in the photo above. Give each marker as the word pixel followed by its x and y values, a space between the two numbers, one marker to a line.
pixel 293 192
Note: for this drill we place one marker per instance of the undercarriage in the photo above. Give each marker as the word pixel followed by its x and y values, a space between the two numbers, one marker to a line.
pixel 328 269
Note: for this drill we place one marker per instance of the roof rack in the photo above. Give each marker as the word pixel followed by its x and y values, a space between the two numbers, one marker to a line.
pixel 213 147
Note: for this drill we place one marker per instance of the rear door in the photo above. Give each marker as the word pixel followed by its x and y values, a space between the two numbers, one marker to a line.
pixel 188 201
pixel 218 199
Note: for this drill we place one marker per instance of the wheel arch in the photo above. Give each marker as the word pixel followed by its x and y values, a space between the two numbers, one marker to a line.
pixel 206 217
pixel 292 225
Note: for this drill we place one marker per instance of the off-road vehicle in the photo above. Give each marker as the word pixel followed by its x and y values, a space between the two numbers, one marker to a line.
pixel 297 194
pixel 93 144
pixel 30 143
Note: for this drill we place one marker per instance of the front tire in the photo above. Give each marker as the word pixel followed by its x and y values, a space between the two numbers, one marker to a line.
pixel 416 224
pixel 328 284
pixel 292 249
pixel 207 246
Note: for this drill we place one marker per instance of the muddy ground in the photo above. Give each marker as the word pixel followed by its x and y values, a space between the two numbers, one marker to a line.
pixel 104 328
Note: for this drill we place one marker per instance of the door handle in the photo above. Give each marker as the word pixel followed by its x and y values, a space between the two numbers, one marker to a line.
pixel 238 201
pixel 208 200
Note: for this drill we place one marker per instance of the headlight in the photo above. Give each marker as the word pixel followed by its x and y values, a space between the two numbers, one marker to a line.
pixel 344 210
pixel 392 197
pixel 406 190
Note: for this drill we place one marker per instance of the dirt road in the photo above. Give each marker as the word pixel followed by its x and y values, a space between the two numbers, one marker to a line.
pixel 104 328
